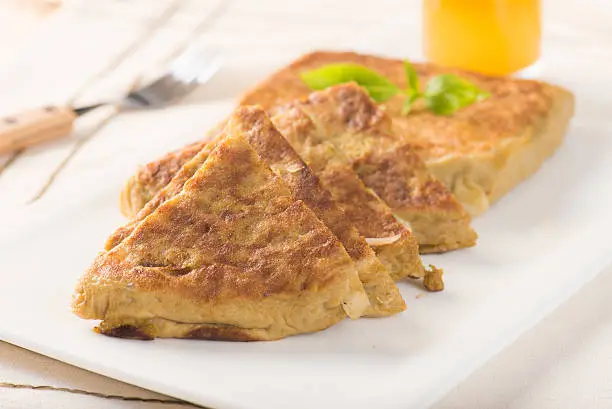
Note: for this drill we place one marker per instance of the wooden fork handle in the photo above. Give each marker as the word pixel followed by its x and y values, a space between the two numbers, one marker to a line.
pixel 35 126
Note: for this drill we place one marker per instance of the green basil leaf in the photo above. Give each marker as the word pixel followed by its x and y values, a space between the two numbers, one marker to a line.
pixel 381 94
pixel 412 79
pixel 379 87
pixel 412 87
pixel 410 98
pixel 448 93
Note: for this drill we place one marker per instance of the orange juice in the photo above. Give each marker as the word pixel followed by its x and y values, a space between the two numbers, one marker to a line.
pixel 495 37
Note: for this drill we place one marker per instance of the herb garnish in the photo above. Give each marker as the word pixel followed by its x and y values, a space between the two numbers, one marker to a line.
pixel 443 94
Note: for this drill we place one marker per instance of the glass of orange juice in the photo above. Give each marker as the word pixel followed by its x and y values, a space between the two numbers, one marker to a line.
pixel 496 37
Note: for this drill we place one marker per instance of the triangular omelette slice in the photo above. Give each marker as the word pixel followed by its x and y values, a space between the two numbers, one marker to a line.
pixel 273 148
pixel 384 296
pixel 349 119
pixel 392 241
pixel 232 256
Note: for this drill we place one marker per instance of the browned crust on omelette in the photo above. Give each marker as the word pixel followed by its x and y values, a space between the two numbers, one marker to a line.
pixel 370 215
pixel 481 151
pixel 232 248
pixel 153 177
pixel 275 150
pixel 514 105
pixel 204 331
pixel 365 210
pixel 259 131
pixel 346 117
pixel 193 162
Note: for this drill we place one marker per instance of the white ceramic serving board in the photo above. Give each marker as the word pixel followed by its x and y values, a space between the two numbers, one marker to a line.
pixel 536 247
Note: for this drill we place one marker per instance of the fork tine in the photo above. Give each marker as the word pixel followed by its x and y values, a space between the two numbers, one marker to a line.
pixel 197 67
pixel 188 70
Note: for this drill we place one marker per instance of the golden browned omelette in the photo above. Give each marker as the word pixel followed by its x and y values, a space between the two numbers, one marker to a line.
pixel 256 127
pixel 393 243
pixel 232 256
pixel 153 177
pixel 395 246
pixel 275 150
pixel 348 118
pixel 481 151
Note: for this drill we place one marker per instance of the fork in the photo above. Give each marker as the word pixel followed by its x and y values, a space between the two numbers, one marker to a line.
pixel 190 68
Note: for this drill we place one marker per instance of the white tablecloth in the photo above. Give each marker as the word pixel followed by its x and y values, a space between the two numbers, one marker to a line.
pixel 89 53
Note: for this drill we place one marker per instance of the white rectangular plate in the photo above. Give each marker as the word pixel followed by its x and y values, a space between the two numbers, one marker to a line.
pixel 536 247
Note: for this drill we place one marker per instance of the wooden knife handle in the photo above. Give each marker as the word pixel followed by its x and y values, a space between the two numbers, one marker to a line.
pixel 35 126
